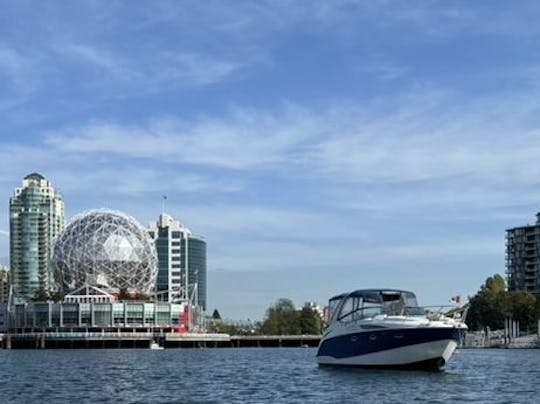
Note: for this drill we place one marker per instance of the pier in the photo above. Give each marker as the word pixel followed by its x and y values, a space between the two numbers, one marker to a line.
pixel 108 340
pixel 241 341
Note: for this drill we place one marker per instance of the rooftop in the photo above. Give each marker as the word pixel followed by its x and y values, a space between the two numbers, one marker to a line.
pixel 34 176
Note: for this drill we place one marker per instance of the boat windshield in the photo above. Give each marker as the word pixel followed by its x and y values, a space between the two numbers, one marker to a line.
pixel 332 306
pixel 368 304
pixel 411 305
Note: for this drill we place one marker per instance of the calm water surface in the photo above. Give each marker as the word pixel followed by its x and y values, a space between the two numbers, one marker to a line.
pixel 257 375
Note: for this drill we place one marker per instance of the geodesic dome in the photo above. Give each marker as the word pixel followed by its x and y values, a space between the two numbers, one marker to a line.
pixel 105 248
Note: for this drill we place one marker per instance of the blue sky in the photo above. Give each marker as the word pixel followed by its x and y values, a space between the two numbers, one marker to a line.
pixel 318 146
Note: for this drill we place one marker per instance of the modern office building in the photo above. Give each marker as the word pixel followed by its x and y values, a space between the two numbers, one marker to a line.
pixel 181 262
pixel 36 218
pixel 4 285
pixel 523 257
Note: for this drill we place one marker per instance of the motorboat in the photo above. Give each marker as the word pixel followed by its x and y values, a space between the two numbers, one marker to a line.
pixel 155 345
pixel 385 328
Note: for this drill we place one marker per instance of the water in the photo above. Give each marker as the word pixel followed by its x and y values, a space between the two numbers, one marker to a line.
pixel 255 376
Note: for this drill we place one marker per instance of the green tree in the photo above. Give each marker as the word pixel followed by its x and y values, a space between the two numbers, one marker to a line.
pixel 310 321
pixel 142 296
pixel 123 294
pixel 281 319
pixel 524 309
pixel 490 306
pixel 493 304
pixel 216 315
pixel 537 309
pixel 57 296
pixel 40 295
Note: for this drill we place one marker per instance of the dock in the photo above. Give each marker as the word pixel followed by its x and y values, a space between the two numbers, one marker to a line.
pixel 109 340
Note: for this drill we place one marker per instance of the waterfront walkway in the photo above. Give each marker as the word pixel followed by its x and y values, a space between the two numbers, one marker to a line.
pixel 497 339
pixel 96 340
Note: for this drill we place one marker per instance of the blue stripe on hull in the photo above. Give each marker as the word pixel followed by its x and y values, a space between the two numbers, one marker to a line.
pixel 367 342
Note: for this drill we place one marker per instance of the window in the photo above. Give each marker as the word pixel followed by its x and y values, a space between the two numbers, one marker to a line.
pixel 346 309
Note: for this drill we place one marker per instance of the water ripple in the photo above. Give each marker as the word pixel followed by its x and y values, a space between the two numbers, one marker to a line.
pixel 257 376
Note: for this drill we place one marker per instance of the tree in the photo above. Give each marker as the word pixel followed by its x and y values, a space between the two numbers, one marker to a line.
pixel 537 309
pixel 523 309
pixel 310 321
pixel 281 319
pixel 490 306
pixel 40 295
pixel 57 296
pixel 493 304
pixel 141 296
pixel 123 294
pixel 216 315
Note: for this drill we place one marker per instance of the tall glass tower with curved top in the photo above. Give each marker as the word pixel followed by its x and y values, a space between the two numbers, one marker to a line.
pixel 36 218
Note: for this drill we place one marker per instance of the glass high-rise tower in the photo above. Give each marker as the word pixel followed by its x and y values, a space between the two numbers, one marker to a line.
pixel 4 285
pixel 36 218
pixel 181 262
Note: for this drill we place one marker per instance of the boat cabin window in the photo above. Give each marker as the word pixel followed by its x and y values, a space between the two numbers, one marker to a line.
pixel 411 305
pixel 410 299
pixel 332 306
pixel 358 307
pixel 349 307
pixel 393 303
pixel 368 304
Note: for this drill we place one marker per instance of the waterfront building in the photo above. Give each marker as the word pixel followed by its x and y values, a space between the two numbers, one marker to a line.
pixel 4 285
pixel 36 218
pixel 181 262
pixel 105 265
pixel 125 316
pixel 523 257
pixel 107 249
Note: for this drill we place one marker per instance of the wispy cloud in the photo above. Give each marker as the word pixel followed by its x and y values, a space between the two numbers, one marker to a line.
pixel 443 249
pixel 129 180
pixel 4 233
pixel 418 151
pixel 187 69
pixel 169 68
pixel 385 71
pixel 247 139
pixel 300 256
pixel 416 137
pixel 19 78
pixel 97 58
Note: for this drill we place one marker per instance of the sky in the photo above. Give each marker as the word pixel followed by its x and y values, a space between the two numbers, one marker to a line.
pixel 318 146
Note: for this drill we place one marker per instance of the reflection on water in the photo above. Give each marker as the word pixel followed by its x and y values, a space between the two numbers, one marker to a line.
pixel 257 375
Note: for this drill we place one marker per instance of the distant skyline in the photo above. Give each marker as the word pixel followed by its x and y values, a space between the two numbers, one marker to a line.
pixel 318 146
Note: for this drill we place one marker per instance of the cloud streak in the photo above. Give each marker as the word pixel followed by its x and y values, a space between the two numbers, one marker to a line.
pixel 169 69
pixel 246 140
pixel 18 75
pixel 419 138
